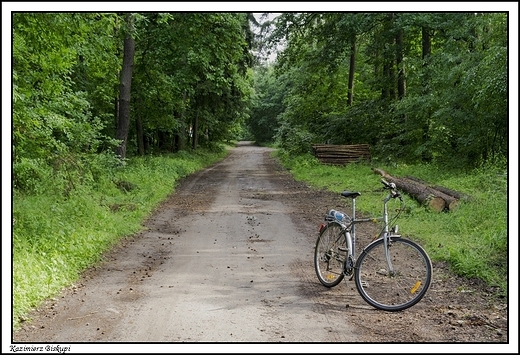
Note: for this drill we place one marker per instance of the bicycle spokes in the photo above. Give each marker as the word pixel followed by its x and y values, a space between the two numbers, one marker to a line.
pixel 328 256
pixel 400 288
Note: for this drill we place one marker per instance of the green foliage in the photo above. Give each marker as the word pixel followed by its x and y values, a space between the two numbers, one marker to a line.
pixel 473 239
pixel 55 237
pixel 266 104
pixel 184 72
pixel 65 85
pixel 450 107
pixel 294 140
pixel 55 134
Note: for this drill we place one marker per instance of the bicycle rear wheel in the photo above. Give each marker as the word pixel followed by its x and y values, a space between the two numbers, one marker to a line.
pixel 397 290
pixel 330 254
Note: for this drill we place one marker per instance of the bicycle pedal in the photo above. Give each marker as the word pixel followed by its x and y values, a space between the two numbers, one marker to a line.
pixel 342 249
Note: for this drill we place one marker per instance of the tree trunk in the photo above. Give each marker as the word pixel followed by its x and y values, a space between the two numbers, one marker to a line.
pixel 450 201
pixel 426 43
pixel 426 52
pixel 415 190
pixel 352 71
pixel 140 134
pixel 182 132
pixel 195 130
pixel 123 123
pixel 401 77
pixel 341 154
pixel 388 55
pixel 388 74
pixel 456 194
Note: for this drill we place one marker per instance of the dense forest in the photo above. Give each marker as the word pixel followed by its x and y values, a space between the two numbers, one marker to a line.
pixel 417 87
pixel 91 89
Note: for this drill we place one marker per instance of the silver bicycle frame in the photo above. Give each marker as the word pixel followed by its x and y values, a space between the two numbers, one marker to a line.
pixel 351 235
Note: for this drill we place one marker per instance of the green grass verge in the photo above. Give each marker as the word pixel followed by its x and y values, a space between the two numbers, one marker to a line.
pixel 472 239
pixel 55 238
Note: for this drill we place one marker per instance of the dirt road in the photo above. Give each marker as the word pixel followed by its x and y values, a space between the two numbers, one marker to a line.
pixel 228 258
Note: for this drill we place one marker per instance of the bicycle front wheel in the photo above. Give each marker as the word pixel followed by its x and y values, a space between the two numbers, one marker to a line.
pixel 330 254
pixel 395 287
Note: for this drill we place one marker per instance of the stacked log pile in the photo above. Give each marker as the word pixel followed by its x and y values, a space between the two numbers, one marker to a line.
pixel 341 154
pixel 438 198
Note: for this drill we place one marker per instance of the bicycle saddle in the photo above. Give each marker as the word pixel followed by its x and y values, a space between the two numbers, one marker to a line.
pixel 350 194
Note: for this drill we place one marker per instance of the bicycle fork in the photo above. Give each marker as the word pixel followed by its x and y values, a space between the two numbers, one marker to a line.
pixel 386 236
pixel 386 239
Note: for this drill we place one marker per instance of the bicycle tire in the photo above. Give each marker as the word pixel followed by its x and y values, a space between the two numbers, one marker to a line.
pixel 329 260
pixel 398 290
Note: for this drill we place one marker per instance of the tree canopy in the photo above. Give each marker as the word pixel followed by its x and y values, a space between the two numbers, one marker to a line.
pixel 417 87
pixel 187 79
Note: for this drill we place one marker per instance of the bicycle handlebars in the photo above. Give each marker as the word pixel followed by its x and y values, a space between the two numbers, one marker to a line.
pixel 393 189
pixel 388 185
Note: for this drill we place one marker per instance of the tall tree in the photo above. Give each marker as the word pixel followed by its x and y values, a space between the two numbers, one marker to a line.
pixel 123 122
pixel 352 69
pixel 399 61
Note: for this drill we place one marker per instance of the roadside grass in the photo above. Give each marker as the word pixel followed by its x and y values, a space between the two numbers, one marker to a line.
pixel 472 239
pixel 56 237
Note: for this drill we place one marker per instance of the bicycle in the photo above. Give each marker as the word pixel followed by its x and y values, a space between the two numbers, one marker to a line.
pixel 392 273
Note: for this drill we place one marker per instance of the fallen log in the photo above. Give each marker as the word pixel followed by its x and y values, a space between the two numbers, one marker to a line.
pixel 451 202
pixel 426 195
pixel 416 190
pixel 456 194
